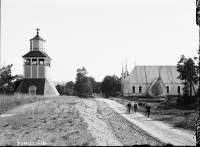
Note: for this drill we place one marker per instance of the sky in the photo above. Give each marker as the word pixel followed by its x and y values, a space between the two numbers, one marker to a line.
pixel 99 34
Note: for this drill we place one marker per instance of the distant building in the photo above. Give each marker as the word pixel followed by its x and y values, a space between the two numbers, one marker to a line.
pixel 152 81
pixel 37 65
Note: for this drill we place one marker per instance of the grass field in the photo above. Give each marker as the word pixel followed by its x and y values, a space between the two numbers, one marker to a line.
pixel 178 116
pixel 55 121
pixel 7 102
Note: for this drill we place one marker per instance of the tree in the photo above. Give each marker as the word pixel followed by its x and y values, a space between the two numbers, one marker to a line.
pixel 83 86
pixel 98 88
pixel 60 89
pixel 7 80
pixel 107 86
pixel 69 88
pixel 94 84
pixel 86 89
pixel 117 84
pixel 187 69
pixel 111 86
pixel 17 82
pixel 198 70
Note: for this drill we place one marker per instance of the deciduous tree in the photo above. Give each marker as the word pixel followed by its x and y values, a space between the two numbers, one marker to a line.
pixel 18 82
pixel 69 88
pixel 61 89
pixel 7 80
pixel 83 86
pixel 111 85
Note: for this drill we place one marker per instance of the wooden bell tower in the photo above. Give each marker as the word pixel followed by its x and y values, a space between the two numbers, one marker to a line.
pixel 37 67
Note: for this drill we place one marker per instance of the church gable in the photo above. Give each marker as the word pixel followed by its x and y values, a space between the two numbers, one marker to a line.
pixel 157 88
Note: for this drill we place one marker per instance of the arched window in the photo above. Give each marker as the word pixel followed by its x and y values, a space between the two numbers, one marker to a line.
pixel 140 89
pixel 179 89
pixel 32 90
pixel 167 89
pixel 133 89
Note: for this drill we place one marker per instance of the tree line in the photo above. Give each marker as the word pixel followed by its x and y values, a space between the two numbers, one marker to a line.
pixel 84 85
pixel 87 86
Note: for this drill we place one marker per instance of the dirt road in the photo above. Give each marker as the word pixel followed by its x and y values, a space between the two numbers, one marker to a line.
pixel 157 129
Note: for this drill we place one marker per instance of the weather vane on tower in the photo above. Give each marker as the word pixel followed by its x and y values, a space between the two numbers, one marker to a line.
pixel 38 30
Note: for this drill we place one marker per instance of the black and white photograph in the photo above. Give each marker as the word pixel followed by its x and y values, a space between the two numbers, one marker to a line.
pixel 99 72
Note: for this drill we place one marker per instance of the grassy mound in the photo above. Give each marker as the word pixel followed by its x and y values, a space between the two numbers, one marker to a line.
pixel 7 102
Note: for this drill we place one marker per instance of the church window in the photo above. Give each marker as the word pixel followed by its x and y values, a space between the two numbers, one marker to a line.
pixel 179 89
pixel 34 62
pixel 167 89
pixel 133 89
pixel 32 90
pixel 140 89
pixel 27 61
pixel 41 61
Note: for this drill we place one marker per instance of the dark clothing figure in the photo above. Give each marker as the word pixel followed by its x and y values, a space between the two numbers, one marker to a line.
pixel 128 107
pixel 135 107
pixel 148 110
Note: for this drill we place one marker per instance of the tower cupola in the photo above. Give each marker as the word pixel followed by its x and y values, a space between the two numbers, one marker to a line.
pixel 37 43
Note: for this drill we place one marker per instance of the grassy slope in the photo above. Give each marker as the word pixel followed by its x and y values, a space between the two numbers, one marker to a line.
pixel 45 122
pixel 182 116
pixel 9 102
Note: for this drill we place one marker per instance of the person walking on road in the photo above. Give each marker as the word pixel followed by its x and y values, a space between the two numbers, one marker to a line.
pixel 128 107
pixel 135 107
pixel 148 109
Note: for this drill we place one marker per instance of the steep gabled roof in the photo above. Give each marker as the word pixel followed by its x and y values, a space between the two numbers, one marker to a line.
pixel 147 74
pixel 36 54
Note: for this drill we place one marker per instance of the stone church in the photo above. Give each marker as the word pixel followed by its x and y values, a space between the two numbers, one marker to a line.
pixel 151 81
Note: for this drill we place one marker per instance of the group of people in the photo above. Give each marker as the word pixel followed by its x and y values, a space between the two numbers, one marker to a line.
pixel 135 107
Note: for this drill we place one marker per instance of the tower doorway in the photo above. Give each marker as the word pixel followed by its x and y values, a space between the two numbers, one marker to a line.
pixel 32 90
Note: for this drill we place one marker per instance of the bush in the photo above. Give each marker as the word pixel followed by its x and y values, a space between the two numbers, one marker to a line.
pixel 179 100
pixel 185 124
pixel 165 118
pixel 186 99
pixel 144 96
pixel 141 104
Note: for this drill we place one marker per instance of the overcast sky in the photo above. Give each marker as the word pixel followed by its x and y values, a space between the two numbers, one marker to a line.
pixel 99 34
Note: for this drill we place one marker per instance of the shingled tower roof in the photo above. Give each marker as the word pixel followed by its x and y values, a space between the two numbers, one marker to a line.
pixel 37 37
pixel 36 54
